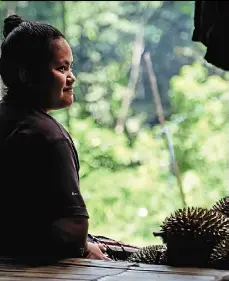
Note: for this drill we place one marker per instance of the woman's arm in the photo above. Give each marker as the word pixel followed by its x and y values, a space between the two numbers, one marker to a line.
pixel 68 229
pixel 53 165
pixel 69 236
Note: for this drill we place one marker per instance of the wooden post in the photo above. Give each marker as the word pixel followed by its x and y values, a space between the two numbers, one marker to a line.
pixel 128 97
pixel 161 117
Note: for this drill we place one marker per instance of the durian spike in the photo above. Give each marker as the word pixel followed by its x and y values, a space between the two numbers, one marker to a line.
pixel 220 252
pixel 196 221
pixel 222 206
pixel 149 254
pixel 159 233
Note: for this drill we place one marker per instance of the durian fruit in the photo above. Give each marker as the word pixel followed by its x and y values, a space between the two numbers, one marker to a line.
pixel 163 260
pixel 219 257
pixel 190 235
pixel 153 254
pixel 222 206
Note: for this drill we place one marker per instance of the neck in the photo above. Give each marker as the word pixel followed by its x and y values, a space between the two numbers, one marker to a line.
pixel 23 98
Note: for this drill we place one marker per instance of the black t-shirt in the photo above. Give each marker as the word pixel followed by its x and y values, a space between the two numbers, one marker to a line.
pixel 39 180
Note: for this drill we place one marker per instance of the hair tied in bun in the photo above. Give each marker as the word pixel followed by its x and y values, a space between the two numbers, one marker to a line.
pixel 10 23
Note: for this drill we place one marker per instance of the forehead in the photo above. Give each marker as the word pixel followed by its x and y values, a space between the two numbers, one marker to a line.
pixel 61 51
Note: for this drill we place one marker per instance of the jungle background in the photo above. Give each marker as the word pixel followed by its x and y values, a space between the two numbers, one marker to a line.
pixel 150 117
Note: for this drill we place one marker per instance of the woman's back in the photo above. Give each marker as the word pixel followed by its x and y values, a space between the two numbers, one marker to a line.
pixel 30 199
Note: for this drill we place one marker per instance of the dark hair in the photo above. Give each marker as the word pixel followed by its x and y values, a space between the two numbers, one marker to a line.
pixel 26 45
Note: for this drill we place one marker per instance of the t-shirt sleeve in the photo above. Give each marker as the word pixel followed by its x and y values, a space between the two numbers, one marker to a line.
pixel 64 178
pixel 49 169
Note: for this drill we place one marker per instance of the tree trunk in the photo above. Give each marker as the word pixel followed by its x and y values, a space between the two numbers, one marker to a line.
pixel 130 91
pixel 161 118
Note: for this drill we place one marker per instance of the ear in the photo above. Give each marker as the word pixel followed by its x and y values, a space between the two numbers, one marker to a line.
pixel 23 75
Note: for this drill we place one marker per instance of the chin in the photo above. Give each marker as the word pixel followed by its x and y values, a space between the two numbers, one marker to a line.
pixel 65 105
pixel 60 106
pixel 66 101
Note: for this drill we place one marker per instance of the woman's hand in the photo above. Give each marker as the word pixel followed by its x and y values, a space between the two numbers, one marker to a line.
pixel 96 251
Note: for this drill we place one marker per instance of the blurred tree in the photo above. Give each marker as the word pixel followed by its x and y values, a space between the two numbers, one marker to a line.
pixel 126 177
pixel 200 128
pixel 102 36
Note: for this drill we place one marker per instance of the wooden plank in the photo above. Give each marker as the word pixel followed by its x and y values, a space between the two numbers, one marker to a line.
pixel 158 277
pixel 97 263
pixel 72 262
pixel 142 267
pixel 61 274
pixel 111 276
pixel 83 269
pixel 152 277
pixel 180 270
pixel 118 278
pixel 151 267
pixel 71 270
pixel 34 279
pixel 40 278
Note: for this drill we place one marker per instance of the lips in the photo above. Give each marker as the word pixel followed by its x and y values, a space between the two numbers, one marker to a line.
pixel 69 90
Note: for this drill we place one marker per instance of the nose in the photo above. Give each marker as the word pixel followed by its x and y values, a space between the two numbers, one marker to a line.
pixel 71 78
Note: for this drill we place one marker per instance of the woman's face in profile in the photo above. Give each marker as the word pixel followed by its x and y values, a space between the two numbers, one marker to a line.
pixel 56 85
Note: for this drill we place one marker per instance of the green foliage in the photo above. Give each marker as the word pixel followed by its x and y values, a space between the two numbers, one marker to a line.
pixel 2 12
pixel 130 190
pixel 122 186
pixel 126 179
pixel 102 38
pixel 200 130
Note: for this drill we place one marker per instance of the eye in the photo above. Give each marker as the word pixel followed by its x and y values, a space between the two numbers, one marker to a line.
pixel 61 68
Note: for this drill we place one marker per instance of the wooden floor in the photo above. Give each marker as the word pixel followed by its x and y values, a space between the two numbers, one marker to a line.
pixel 82 269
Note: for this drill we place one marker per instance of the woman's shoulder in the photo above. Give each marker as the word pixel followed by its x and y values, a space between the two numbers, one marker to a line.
pixel 40 125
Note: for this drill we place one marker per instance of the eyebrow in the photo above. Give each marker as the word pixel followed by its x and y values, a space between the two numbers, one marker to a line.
pixel 64 62
pixel 67 62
